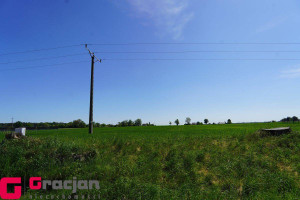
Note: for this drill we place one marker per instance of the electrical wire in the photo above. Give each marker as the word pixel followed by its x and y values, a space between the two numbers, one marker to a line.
pixel 154 52
pixel 160 43
pixel 36 50
pixel 159 59
pixel 200 59
pixel 198 51
pixel 42 66
pixel 199 43
pixel 157 43
pixel 47 58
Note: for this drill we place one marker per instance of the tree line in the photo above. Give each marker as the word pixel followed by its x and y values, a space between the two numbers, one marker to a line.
pixel 78 123
pixel 44 125
pixel 290 119
pixel 188 122
pixel 138 122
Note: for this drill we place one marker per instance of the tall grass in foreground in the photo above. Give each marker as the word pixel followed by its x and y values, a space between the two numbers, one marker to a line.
pixel 185 162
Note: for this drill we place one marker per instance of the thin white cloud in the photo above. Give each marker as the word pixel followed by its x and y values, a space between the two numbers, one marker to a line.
pixel 291 73
pixel 169 16
pixel 272 24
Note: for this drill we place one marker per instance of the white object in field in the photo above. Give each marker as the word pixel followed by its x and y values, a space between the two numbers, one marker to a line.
pixel 21 131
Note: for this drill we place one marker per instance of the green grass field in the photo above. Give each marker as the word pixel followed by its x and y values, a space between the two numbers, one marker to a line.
pixel 163 162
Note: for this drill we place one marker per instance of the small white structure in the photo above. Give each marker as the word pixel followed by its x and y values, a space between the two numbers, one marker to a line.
pixel 20 131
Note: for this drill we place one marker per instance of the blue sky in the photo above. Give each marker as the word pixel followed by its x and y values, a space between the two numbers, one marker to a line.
pixel 156 91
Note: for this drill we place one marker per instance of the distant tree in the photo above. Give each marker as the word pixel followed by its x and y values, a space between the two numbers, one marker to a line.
pixel 188 121
pixel 206 121
pixel 54 124
pixel 170 123
pixel 283 120
pixel 123 123
pixel 177 122
pixel 46 125
pixel 198 123
pixel 138 122
pixel 61 125
pixel 78 124
pixel 69 125
pixel 295 119
pixel 18 124
pixel 28 125
pixel 97 124
pixel 102 125
pixel 229 121
pixel 130 122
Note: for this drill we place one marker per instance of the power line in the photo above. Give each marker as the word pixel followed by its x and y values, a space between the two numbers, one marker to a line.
pixel 160 59
pixel 44 49
pixel 199 43
pixel 199 51
pixel 158 43
pixel 46 58
pixel 42 66
pixel 200 59
pixel 156 52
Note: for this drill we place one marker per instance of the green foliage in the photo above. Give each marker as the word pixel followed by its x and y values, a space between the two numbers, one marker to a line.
pixel 18 124
pixel 199 123
pixel 78 124
pixel 188 121
pixel 138 122
pixel 45 125
pixel 290 119
pixel 206 121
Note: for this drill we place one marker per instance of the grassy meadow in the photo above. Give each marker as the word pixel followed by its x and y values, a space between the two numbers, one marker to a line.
pixel 230 161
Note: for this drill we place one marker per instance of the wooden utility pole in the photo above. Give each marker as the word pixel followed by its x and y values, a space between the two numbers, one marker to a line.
pixel 91 121
pixel 91 97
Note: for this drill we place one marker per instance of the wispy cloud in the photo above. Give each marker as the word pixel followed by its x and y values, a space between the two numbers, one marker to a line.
pixel 169 16
pixel 291 73
pixel 272 24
